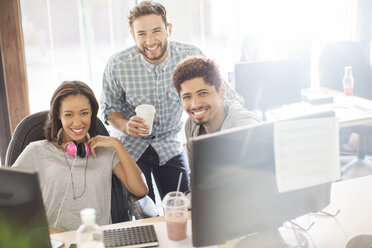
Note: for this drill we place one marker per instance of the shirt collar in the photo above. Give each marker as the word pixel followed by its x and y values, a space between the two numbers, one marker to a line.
pixel 162 66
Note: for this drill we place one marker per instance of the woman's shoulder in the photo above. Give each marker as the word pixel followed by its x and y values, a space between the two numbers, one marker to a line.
pixel 42 146
pixel 31 154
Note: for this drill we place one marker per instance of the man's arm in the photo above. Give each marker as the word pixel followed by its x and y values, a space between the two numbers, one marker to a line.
pixel 112 101
pixel 118 121
pixel 135 126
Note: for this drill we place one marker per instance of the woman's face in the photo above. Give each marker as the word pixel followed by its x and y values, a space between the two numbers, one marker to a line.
pixel 75 114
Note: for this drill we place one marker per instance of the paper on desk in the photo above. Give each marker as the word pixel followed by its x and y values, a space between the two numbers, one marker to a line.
pixel 306 152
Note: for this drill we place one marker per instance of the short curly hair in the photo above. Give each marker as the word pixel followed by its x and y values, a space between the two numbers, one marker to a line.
pixel 147 8
pixel 195 67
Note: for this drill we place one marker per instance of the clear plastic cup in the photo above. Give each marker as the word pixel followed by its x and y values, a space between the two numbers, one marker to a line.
pixel 175 205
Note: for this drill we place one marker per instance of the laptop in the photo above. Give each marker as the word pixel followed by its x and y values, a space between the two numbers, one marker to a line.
pixel 22 214
pixel 23 222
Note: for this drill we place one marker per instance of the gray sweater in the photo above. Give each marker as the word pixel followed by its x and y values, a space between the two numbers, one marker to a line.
pixel 236 116
pixel 54 175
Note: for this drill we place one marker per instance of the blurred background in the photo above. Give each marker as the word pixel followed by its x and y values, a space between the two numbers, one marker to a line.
pixel 73 39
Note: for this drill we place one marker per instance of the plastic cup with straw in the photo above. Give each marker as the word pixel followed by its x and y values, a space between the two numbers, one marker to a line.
pixel 175 209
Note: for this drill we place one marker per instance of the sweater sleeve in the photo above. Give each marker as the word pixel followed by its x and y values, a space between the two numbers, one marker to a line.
pixel 28 159
pixel 188 134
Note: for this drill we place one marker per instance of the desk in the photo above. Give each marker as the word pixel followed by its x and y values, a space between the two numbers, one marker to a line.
pixel 351 110
pixel 353 197
pixel 160 228
pixel 354 200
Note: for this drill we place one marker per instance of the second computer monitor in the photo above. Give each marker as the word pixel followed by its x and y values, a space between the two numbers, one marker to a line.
pixel 272 83
pixel 234 187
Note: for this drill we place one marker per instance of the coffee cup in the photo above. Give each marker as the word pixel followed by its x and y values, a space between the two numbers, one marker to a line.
pixel 175 205
pixel 147 112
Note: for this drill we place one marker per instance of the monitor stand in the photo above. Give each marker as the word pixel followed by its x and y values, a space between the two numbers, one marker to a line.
pixel 285 238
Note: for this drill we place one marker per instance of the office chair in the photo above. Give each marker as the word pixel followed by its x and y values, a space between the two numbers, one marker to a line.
pixel 124 206
pixel 332 60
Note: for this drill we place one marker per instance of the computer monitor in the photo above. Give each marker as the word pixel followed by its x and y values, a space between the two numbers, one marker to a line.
pixel 273 83
pixel 234 190
pixel 22 216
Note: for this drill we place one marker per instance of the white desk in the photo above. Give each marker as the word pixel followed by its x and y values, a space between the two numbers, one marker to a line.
pixel 160 228
pixel 353 197
pixel 354 200
pixel 351 110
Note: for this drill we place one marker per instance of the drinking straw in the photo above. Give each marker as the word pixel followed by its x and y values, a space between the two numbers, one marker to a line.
pixel 178 189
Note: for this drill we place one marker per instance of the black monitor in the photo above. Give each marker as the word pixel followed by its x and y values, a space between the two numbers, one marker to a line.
pixel 22 217
pixel 268 84
pixel 234 190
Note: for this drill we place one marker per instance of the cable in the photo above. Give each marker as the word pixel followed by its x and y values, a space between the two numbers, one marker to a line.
pixel 64 196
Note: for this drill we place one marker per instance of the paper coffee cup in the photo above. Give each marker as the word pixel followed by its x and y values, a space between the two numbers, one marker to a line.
pixel 147 112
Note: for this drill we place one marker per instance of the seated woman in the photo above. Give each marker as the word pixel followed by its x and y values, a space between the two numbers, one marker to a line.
pixel 74 165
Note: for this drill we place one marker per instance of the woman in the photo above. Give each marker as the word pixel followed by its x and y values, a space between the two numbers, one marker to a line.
pixel 75 170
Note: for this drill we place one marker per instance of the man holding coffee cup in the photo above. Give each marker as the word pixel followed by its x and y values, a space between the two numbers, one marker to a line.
pixel 142 74
pixel 200 86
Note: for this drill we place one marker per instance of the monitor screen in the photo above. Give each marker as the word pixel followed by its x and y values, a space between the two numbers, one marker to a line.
pixel 269 84
pixel 22 215
pixel 234 190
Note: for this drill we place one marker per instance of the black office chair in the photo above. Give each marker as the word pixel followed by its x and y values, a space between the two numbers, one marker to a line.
pixel 124 206
pixel 332 60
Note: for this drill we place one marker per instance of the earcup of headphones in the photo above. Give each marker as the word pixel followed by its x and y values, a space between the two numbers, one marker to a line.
pixel 82 150
pixel 74 149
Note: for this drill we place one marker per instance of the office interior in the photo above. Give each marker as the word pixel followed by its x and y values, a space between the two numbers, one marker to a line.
pixel 43 43
pixel 46 42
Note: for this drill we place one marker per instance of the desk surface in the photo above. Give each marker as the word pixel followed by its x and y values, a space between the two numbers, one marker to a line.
pixel 160 228
pixel 351 110
pixel 353 198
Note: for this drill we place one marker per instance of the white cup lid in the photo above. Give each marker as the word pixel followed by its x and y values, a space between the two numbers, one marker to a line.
pixel 145 108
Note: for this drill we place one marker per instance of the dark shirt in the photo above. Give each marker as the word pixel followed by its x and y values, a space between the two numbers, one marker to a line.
pixel 202 130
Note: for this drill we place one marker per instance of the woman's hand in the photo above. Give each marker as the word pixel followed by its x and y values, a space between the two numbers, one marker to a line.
pixel 102 141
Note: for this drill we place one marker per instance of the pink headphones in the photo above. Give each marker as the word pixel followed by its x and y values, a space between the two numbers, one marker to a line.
pixel 73 148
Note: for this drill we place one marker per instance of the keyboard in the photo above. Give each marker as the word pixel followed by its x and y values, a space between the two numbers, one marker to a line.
pixel 138 236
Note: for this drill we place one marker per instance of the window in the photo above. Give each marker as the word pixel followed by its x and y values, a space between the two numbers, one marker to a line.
pixel 72 40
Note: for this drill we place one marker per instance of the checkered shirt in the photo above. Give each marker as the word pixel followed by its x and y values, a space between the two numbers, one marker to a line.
pixel 129 80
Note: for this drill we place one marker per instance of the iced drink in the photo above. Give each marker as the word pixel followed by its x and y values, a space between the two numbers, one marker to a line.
pixel 175 206
pixel 176 225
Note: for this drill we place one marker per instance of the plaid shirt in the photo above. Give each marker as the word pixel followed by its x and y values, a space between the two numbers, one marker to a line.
pixel 129 80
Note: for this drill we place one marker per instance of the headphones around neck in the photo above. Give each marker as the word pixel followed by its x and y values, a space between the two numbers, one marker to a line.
pixel 73 148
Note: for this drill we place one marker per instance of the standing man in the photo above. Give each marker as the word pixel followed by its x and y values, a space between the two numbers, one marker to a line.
pixel 202 92
pixel 142 74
